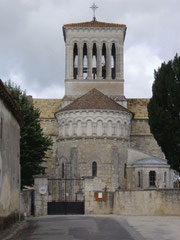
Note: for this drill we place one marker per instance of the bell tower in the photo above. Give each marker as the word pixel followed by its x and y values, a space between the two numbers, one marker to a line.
pixel 94 59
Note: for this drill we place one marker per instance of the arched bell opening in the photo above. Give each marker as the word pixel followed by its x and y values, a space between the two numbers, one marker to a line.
pixel 85 61
pixel 104 61
pixel 75 61
pixel 94 62
pixel 113 61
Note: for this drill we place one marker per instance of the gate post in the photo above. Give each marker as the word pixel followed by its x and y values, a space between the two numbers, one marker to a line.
pixel 40 195
pixel 89 195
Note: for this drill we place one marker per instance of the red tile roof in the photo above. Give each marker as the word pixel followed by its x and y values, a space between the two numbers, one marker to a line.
pixel 94 99
pixel 94 24
pixel 10 103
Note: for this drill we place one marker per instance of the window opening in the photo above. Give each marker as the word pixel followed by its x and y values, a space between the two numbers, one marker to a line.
pixel 152 178
pixel 165 178
pixel 94 169
pixel 125 170
pixel 62 170
pixel 113 61
pixel 94 62
pixel 75 61
pixel 85 61
pixel 104 61
pixel 139 179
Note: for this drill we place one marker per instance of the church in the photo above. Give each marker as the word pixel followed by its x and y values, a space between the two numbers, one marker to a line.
pixel 98 133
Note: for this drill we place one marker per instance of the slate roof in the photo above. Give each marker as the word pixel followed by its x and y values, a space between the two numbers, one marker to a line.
pixel 10 103
pixel 150 161
pixel 94 24
pixel 94 99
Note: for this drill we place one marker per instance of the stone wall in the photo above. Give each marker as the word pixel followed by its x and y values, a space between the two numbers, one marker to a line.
pixel 140 136
pixel 135 203
pixel 27 202
pixel 78 156
pixel 94 123
pixel 9 166
pixel 147 202
pixel 41 195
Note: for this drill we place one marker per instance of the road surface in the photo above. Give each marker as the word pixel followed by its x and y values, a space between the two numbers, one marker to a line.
pixel 77 228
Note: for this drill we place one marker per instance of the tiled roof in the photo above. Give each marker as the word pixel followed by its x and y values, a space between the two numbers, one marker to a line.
pixel 94 99
pixel 10 103
pixel 94 24
pixel 47 107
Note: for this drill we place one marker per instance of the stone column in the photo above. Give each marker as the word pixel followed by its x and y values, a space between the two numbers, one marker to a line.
pixel 118 62
pixel 89 57
pixel 121 62
pixel 94 128
pixel 66 130
pixel 99 61
pixel 80 61
pixel 69 61
pixel 104 129
pixel 74 129
pixel 108 61
pixel 83 125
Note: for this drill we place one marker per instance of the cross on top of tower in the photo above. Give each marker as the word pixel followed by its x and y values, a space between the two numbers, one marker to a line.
pixel 94 7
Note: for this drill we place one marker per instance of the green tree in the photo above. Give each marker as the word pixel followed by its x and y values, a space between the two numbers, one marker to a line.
pixel 164 110
pixel 33 143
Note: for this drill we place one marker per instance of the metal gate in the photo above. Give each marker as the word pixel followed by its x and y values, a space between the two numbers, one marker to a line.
pixel 65 196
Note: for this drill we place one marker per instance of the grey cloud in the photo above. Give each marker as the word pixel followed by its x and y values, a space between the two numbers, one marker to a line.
pixel 32 45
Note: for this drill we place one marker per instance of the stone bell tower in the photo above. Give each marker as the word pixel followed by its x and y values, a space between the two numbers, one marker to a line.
pixel 94 59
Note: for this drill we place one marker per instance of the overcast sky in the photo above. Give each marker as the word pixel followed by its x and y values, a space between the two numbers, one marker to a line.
pixel 32 46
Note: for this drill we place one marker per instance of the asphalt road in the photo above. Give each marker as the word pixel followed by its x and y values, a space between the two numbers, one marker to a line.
pixel 77 228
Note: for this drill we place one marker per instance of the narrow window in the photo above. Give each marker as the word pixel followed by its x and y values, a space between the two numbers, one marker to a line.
pixel 125 170
pixel 165 178
pixel 94 169
pixel 113 61
pixel 85 61
pixel 1 127
pixel 152 178
pixel 94 62
pixel 139 179
pixel 75 61
pixel 104 61
pixel 62 170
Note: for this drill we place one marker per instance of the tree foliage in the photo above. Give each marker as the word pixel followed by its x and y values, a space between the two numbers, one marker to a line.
pixel 33 143
pixel 164 110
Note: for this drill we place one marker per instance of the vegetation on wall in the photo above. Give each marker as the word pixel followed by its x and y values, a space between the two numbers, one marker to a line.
pixel 33 143
pixel 164 110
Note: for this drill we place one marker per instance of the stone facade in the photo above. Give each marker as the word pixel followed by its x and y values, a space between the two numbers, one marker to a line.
pixel 99 135
pixel 10 121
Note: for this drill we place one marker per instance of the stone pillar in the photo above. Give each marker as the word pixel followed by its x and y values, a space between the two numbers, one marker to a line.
pixel 41 195
pixel 69 61
pixel 80 61
pixel 89 57
pixel 99 61
pixel 66 130
pixel 84 127
pixel 74 129
pixel 108 61
pixel 121 62
pixel 118 62
pixel 104 129
pixel 94 128
pixel 89 196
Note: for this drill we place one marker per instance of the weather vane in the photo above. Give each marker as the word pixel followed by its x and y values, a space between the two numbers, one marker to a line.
pixel 94 7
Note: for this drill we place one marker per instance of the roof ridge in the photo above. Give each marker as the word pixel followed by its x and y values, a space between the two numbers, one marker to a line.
pixel 94 99
pixel 94 24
